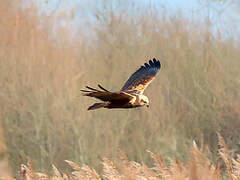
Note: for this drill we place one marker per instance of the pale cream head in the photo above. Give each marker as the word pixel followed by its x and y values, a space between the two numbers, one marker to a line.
pixel 143 100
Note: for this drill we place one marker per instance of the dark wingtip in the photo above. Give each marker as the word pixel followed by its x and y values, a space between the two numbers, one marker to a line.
pixel 154 63
pixel 102 88
pixel 86 91
pixel 151 63
pixel 147 65
pixel 91 88
pixel 157 63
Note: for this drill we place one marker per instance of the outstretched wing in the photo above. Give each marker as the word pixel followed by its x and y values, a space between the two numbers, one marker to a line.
pixel 118 97
pixel 139 80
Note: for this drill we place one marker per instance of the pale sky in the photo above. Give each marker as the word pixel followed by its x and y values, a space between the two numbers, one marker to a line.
pixel 222 14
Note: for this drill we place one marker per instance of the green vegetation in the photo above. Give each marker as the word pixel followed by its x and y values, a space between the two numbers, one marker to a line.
pixel 195 95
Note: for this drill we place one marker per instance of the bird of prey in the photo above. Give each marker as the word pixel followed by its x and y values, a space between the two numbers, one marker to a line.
pixel 131 94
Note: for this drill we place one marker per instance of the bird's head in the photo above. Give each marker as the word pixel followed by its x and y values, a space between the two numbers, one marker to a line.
pixel 144 100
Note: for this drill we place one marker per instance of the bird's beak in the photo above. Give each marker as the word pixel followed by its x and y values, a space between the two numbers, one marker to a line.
pixel 147 105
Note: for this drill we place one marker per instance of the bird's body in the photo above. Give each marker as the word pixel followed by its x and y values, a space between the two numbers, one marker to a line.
pixel 131 94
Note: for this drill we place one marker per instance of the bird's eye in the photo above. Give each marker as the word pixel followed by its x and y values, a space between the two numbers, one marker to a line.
pixel 143 101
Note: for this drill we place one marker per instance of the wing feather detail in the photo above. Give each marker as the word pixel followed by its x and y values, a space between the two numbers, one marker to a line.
pixel 139 80
pixel 108 96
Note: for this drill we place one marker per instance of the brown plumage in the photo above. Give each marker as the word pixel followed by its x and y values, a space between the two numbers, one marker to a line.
pixel 131 94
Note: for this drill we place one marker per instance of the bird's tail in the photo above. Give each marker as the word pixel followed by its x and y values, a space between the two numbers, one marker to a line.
pixel 97 106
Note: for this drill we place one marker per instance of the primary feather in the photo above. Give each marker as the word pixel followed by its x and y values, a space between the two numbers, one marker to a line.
pixel 139 80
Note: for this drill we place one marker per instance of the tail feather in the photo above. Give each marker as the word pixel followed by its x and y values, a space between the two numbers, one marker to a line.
pixel 97 106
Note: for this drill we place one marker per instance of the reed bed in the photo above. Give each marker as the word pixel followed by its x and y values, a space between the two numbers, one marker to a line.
pixel 44 64
pixel 197 167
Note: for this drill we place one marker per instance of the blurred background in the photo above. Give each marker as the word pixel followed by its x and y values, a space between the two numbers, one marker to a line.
pixel 50 49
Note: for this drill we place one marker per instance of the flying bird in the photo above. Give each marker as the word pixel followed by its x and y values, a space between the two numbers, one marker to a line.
pixel 131 94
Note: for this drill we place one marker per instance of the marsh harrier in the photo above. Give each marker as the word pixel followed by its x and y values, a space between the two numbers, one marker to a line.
pixel 131 94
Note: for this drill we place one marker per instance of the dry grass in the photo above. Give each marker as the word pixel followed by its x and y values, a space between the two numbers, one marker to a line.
pixel 198 167
pixel 42 69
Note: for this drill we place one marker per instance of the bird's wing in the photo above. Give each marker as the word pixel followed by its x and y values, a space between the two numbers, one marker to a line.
pixel 108 96
pixel 139 80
